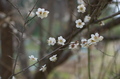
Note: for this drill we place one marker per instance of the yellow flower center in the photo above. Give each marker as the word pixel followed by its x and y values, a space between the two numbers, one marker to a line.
pixel 40 12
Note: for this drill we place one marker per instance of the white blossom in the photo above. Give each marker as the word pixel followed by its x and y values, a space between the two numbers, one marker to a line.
pixel 81 8
pixel 42 13
pixel 33 58
pixel 74 45
pixel 96 37
pixel 92 42
pixel 102 23
pixel 80 2
pixel 79 23
pixel 61 40
pixel 43 69
pixel 53 58
pixel 51 41
pixel 87 18
pixel 31 14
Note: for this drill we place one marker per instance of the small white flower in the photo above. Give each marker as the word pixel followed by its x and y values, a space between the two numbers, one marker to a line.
pixel 96 37
pixel 42 13
pixel 74 45
pixel 81 8
pixel 51 41
pixel 87 18
pixel 43 69
pixel 79 23
pixel 80 2
pixel 61 40
pixel 53 58
pixel 32 58
pixel 91 42
pixel 32 14
pixel 45 13
pixel 102 23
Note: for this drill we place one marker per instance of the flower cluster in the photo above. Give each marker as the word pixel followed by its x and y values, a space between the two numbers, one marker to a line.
pixel 92 41
pixel 52 41
pixel 81 9
pixel 42 13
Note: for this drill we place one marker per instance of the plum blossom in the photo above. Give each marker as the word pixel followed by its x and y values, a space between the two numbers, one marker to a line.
pixel 80 2
pixel 33 58
pixel 96 37
pixel 51 41
pixel 43 69
pixel 42 13
pixel 81 8
pixel 87 18
pixel 61 40
pixel 79 23
pixel 31 14
pixel 53 58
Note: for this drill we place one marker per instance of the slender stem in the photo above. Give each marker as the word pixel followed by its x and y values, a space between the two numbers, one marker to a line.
pixel 89 75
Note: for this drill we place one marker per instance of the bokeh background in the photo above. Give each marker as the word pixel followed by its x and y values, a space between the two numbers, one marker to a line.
pixel 29 37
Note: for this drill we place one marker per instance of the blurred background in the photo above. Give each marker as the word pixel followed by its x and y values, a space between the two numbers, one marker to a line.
pixel 22 35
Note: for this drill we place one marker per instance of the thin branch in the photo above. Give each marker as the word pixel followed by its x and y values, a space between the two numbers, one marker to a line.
pixel 108 17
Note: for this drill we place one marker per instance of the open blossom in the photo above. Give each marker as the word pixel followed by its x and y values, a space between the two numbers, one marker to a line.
pixel 92 41
pixel 51 41
pixel 53 58
pixel 74 45
pixel 43 69
pixel 96 37
pixel 81 8
pixel 87 18
pixel 61 40
pixel 31 14
pixel 79 23
pixel 42 13
pixel 32 58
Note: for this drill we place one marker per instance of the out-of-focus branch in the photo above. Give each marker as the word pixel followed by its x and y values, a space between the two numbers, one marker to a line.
pixel 111 38
pixel 106 27
pixel 108 17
